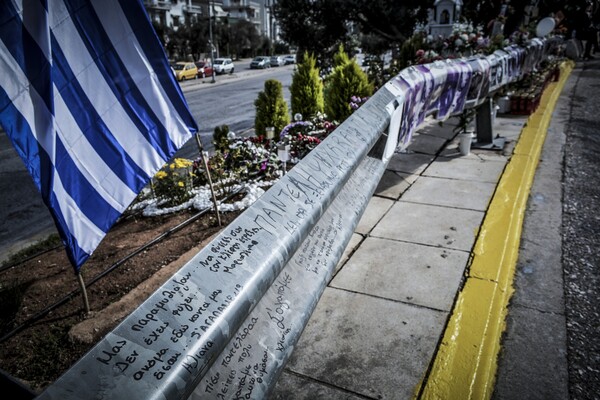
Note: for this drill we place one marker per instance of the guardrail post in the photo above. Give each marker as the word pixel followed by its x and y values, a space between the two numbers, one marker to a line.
pixel 485 128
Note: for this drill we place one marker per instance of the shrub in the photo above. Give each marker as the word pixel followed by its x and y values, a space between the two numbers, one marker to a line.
pixel 307 89
pixel 271 108
pixel 220 140
pixel 347 80
pixel 172 185
pixel 408 51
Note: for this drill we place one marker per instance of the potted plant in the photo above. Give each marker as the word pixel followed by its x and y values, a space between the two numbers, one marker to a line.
pixel 465 130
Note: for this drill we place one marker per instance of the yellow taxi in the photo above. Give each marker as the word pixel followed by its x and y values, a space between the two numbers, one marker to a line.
pixel 185 70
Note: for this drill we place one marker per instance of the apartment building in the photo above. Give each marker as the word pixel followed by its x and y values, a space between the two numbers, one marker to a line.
pixel 177 12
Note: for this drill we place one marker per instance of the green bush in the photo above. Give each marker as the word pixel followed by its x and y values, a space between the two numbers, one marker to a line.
pixel 346 80
pixel 271 108
pixel 307 89
pixel 172 185
pixel 408 51
pixel 220 140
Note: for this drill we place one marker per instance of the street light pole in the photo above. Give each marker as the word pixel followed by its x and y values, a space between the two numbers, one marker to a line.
pixel 210 35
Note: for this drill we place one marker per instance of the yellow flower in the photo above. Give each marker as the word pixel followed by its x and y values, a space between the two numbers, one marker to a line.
pixel 161 175
pixel 182 163
pixel 180 184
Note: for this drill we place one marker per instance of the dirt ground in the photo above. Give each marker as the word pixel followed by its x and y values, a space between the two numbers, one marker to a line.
pixel 42 352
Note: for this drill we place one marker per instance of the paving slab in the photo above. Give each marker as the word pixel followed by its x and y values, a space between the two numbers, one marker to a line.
pixel 290 386
pixel 471 195
pixel 407 272
pixel 533 339
pixel 426 144
pixel 355 240
pixel 440 129
pixel 509 126
pixel 373 347
pixel 451 228
pixel 468 169
pixel 410 163
pixel 453 151
pixel 393 184
pixel 375 210
pixel 538 279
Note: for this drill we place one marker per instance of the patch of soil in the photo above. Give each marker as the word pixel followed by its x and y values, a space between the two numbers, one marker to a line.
pixel 42 352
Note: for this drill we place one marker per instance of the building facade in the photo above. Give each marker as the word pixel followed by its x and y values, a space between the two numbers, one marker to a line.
pixel 177 12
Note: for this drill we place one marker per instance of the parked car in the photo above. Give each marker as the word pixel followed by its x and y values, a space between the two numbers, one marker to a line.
pixel 260 62
pixel 223 66
pixel 185 70
pixel 276 61
pixel 289 59
pixel 204 69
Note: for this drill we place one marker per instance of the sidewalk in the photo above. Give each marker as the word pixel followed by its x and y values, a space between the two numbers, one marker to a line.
pixel 414 308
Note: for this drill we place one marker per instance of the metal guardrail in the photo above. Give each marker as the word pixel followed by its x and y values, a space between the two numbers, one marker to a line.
pixel 226 323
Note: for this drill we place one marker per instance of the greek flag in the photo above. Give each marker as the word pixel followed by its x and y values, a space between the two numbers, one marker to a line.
pixel 89 101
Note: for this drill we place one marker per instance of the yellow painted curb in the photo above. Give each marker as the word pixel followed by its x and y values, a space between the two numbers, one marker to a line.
pixel 466 362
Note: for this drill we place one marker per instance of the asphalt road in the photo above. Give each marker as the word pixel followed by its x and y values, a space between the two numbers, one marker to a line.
pixel 25 219
pixel 229 101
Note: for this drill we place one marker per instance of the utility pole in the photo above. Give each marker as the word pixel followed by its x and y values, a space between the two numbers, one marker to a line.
pixel 210 35
pixel 269 8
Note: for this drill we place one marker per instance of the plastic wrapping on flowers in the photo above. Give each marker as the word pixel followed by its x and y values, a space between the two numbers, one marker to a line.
pixel 246 166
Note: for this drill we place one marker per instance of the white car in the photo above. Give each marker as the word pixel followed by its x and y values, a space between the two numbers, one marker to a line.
pixel 290 59
pixel 223 66
pixel 276 61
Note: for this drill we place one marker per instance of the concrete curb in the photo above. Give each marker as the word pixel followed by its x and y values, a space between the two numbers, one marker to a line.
pixel 465 364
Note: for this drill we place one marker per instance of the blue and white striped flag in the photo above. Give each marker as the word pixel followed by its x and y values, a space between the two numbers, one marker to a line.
pixel 90 103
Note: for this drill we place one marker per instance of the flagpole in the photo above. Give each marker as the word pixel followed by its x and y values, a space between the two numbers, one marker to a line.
pixel 210 183
pixel 86 303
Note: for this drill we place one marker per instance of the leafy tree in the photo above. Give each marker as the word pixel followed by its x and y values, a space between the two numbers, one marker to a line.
pixel 313 26
pixel 306 88
pixel 391 20
pixel 318 26
pixel 245 40
pixel 271 108
pixel 347 80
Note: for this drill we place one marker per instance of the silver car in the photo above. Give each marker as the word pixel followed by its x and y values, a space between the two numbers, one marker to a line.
pixel 260 62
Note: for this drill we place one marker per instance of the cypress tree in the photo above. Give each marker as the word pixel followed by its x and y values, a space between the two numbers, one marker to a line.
pixel 346 80
pixel 271 108
pixel 306 88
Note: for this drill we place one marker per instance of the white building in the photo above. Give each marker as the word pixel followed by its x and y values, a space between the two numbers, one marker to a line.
pixel 442 16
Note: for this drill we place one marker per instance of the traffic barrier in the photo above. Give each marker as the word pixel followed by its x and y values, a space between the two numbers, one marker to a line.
pixel 227 322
